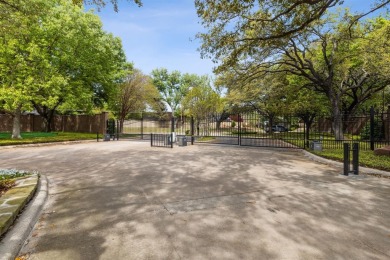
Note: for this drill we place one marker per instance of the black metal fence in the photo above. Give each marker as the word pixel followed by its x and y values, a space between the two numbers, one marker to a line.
pixel 161 140
pixel 370 130
pixel 139 126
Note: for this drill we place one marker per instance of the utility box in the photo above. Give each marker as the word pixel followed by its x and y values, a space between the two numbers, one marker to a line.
pixel 316 146
pixel 168 139
pixel 107 137
pixel 182 140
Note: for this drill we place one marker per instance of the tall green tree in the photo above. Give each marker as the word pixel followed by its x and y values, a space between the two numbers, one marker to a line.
pixel 55 59
pixel 135 93
pixel 173 86
pixel 202 101
pixel 331 54
pixel 169 86
pixel 228 22
pixel 86 56
pixel 341 63
pixel 20 61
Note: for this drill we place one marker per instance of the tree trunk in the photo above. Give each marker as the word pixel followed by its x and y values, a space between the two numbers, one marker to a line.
pixel 121 123
pixel 308 120
pixel 337 123
pixel 222 118
pixel 47 121
pixel 16 123
pixel 271 122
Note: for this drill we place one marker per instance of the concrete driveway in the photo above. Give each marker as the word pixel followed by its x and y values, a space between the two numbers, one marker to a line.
pixel 126 200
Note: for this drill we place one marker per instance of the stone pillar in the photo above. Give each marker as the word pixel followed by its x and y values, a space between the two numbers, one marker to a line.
pixel 103 122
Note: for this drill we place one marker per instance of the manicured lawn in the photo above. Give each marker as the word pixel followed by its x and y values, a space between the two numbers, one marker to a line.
pixel 366 158
pixel 41 137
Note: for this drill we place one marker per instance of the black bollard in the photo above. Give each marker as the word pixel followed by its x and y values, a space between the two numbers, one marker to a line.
pixel 355 158
pixel 346 158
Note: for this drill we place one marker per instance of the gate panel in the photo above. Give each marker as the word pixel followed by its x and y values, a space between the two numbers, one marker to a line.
pixel 271 131
pixel 215 129
pixel 251 129
pixel 140 126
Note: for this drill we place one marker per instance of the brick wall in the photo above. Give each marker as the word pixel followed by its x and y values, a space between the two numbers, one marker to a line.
pixel 61 123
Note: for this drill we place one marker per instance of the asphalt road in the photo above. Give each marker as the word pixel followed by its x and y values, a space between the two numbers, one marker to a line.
pixel 126 200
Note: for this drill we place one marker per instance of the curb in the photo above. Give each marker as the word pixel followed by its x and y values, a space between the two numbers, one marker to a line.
pixel 365 170
pixel 15 199
pixel 14 239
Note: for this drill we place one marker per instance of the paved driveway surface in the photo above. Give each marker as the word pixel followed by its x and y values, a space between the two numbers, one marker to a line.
pixel 126 200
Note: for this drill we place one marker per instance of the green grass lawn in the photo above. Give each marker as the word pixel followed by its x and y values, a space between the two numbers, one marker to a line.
pixel 366 158
pixel 41 137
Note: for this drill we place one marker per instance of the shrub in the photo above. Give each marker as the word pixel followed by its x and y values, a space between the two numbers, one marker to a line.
pixel 366 131
pixel 7 178
pixel 7 174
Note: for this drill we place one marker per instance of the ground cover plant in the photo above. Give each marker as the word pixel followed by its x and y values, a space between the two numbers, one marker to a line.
pixel 8 178
pixel 42 137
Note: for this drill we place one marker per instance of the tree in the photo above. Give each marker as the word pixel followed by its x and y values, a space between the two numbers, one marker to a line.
pixel 102 3
pixel 87 57
pixel 202 100
pixel 228 23
pixel 305 103
pixel 340 65
pixel 334 58
pixel 172 86
pixel 18 52
pixel 56 60
pixel 134 94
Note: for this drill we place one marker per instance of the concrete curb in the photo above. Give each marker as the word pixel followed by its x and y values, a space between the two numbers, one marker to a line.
pixel 365 170
pixel 14 239
pixel 15 199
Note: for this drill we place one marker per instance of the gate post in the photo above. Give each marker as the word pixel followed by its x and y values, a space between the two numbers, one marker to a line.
pixel 117 129
pixel 192 130
pixel 305 141
pixel 172 127
pixel 239 129
pixel 372 126
pixel 142 125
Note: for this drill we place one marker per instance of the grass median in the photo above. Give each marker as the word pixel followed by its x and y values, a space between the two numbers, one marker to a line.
pixel 8 178
pixel 42 137
pixel 366 158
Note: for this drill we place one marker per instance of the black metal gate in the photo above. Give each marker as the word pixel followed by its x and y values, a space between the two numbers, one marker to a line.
pixel 251 129
pixel 371 130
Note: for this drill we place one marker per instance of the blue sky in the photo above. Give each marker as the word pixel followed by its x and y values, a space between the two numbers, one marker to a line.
pixel 159 34
pixel 162 33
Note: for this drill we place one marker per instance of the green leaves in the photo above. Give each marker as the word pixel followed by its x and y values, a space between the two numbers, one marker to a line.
pixel 55 58
pixel 173 86
pixel 201 99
